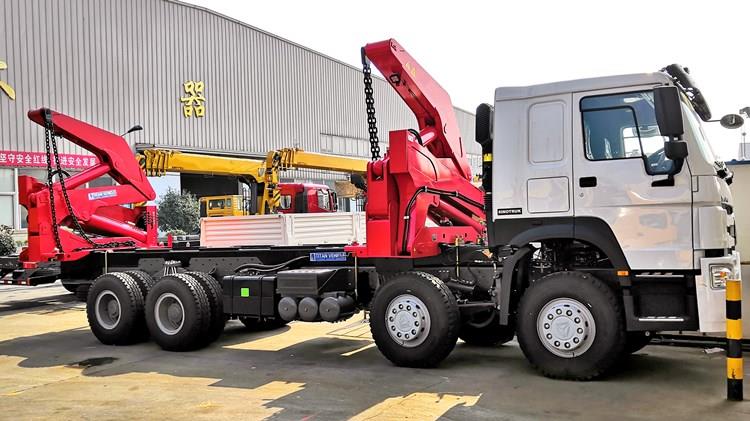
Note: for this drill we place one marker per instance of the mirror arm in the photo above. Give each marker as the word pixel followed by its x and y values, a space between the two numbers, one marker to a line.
pixel 664 182
pixel 669 181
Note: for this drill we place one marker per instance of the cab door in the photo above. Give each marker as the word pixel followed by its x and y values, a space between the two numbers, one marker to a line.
pixel 620 177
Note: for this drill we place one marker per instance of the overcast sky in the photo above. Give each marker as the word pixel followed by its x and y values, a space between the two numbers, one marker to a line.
pixel 472 47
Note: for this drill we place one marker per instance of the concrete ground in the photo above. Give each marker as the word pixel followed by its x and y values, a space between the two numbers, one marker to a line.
pixel 51 366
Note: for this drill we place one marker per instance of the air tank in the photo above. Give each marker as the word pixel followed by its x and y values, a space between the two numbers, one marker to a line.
pixel 336 308
pixel 308 309
pixel 288 308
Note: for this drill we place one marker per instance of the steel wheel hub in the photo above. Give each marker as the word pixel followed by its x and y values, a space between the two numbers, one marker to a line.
pixel 170 314
pixel 407 320
pixel 566 327
pixel 107 309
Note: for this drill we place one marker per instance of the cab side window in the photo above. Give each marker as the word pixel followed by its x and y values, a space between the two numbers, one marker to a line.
pixel 604 134
pixel 623 126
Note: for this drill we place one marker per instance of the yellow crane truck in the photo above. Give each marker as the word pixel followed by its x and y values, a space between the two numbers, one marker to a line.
pixel 262 175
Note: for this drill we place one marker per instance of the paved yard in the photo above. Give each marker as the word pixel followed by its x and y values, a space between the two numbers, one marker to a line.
pixel 51 366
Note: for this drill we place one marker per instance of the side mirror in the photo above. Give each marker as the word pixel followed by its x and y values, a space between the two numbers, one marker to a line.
pixel 668 111
pixel 732 121
pixel 676 150
pixel 483 131
pixel 335 200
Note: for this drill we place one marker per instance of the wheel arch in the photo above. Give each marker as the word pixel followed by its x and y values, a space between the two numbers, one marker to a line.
pixel 589 230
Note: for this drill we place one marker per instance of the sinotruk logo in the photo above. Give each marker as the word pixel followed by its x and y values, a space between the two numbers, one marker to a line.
pixel 4 85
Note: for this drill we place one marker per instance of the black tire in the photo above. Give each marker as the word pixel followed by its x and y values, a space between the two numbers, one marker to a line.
pixel 115 310
pixel 486 330
pixel 144 280
pixel 213 291
pixel 605 346
pixel 444 320
pixel 187 330
pixel 82 292
pixel 636 341
pixel 261 324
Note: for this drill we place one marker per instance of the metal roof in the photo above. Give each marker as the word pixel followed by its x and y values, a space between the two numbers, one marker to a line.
pixel 579 85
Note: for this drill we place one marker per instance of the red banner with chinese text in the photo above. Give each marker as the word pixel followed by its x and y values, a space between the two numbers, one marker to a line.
pixel 39 159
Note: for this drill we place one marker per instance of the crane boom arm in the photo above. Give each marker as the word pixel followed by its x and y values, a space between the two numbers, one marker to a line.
pixel 156 162
pixel 429 102
pixel 419 195
pixel 297 158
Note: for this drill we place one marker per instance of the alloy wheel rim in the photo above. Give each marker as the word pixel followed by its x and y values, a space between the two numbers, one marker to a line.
pixel 566 327
pixel 407 320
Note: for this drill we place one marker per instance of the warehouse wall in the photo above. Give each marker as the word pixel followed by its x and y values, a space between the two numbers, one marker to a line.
pixel 741 195
pixel 117 63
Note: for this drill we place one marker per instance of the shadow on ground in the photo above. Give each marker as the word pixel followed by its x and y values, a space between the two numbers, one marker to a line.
pixel 26 304
pixel 339 382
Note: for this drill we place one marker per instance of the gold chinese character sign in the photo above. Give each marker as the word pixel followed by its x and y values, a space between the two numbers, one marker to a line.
pixel 4 86
pixel 193 103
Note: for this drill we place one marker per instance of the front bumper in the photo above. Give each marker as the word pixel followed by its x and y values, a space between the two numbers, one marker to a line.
pixel 712 300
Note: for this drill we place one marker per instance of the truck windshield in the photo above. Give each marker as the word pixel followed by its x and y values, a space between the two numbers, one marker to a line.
pixel 219 203
pixel 697 131
pixel 324 200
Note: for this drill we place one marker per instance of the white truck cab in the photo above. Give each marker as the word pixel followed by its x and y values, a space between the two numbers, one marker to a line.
pixel 578 177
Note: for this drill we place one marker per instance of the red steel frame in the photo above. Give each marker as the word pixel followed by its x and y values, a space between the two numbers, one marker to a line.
pixel 402 187
pixel 99 210
pixel 419 195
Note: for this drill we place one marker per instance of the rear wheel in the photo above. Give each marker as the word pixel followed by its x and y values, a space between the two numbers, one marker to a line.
pixel 115 310
pixel 178 313
pixel 484 329
pixel 216 302
pixel 144 280
pixel 570 326
pixel 415 320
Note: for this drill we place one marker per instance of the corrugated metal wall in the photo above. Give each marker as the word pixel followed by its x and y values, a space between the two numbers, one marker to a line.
pixel 115 63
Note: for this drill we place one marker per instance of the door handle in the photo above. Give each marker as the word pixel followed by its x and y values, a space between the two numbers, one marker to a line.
pixel 587 181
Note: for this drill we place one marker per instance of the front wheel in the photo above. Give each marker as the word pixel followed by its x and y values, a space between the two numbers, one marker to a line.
pixel 415 320
pixel 571 326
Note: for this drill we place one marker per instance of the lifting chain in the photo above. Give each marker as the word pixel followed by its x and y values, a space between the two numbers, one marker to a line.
pixel 50 140
pixel 372 122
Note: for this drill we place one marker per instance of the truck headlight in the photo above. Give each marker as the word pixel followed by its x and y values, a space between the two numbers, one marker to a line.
pixel 719 275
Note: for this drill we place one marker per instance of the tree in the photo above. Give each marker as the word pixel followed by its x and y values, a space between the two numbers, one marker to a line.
pixel 179 212
pixel 7 244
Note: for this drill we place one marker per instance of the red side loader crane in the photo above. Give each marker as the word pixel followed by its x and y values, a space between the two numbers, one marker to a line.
pixel 425 174
pixel 62 216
